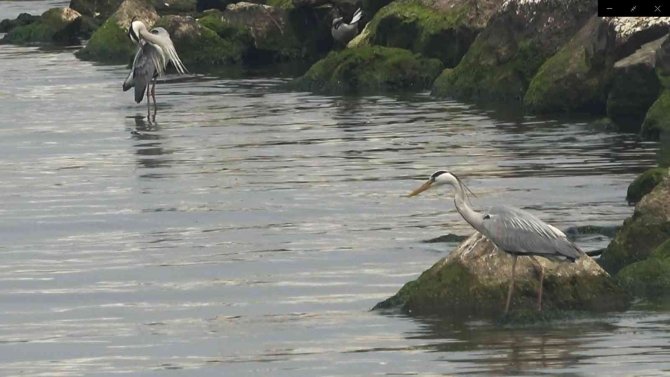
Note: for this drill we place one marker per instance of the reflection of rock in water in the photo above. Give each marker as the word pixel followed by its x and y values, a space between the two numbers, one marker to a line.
pixel 149 145
pixel 508 349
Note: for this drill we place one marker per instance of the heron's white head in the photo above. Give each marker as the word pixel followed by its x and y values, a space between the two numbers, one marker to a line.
pixel 439 178
pixel 134 30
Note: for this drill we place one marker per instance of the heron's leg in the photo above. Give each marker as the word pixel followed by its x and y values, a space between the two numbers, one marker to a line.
pixel 539 291
pixel 153 95
pixel 148 105
pixel 511 286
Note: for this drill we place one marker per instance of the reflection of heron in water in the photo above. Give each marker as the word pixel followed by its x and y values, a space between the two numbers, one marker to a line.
pixel 512 230
pixel 155 51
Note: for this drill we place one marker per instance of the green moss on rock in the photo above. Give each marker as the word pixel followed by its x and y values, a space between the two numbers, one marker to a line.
pixel 505 56
pixel 576 78
pixel 110 42
pixel 473 281
pixel 197 45
pixel 55 26
pixel 369 70
pixel 416 27
pixel 650 277
pixel 657 120
pixel 644 183
pixel 643 232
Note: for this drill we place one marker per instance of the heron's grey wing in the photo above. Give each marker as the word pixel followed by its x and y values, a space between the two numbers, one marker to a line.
pixel 129 82
pixel 518 231
pixel 162 40
pixel 145 68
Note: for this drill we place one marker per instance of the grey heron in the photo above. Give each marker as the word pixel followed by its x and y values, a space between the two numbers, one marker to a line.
pixel 155 50
pixel 512 230
pixel 343 32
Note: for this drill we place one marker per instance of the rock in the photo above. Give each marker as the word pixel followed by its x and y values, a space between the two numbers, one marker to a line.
pixel 110 43
pixel 434 29
pixel 650 277
pixel 633 32
pixel 657 120
pixel 635 87
pixel 473 279
pixel 575 78
pixel 179 7
pixel 203 5
pixel 643 232
pixel 198 46
pixel 644 183
pixel 272 35
pixel 57 25
pixel 23 19
pixel 507 54
pixel 98 9
pixel 369 70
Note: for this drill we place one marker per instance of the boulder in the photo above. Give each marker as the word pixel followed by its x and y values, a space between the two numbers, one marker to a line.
pixel 473 280
pixel 369 70
pixel 576 78
pixel 55 26
pixel 23 19
pixel 198 46
pixel 635 87
pixel 645 182
pixel 442 30
pixel 656 122
pixel 178 7
pixel 110 43
pixel 271 33
pixel 648 278
pixel 506 55
pixel 98 9
pixel 643 232
pixel 633 32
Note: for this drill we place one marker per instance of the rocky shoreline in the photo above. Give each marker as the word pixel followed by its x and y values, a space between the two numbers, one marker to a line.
pixel 547 57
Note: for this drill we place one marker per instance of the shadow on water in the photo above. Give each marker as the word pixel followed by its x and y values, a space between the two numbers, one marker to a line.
pixel 149 147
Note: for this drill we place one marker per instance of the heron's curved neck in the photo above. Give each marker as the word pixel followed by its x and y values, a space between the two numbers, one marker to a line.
pixel 473 217
pixel 149 37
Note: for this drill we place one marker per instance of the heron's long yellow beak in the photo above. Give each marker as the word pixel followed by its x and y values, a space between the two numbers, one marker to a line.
pixel 425 186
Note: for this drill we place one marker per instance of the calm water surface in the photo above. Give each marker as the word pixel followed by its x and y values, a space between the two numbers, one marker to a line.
pixel 250 231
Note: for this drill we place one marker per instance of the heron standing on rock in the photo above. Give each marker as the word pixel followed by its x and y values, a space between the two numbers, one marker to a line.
pixel 343 32
pixel 511 230
pixel 155 51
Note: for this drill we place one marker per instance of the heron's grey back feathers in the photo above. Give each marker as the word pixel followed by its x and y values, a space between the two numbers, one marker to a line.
pixel 519 232
pixel 343 32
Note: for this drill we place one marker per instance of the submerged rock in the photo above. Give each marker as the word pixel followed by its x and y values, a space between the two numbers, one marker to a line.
pixel 650 277
pixel 23 19
pixel 442 30
pixel 576 78
pixel 110 43
pixel 369 70
pixel 55 26
pixel 635 87
pixel 507 54
pixel 643 232
pixel 473 280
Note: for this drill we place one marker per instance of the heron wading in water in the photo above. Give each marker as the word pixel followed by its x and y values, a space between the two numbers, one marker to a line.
pixel 511 230
pixel 155 50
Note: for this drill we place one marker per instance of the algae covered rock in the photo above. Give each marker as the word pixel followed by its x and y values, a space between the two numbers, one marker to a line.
pixel 473 279
pixel 56 26
pixel 179 7
pixel 643 232
pixel 505 56
pixel 198 45
pixel 100 9
pixel 645 182
pixel 657 120
pixel 23 19
pixel 650 277
pixel 635 87
pixel 369 70
pixel 110 43
pixel 575 78
pixel 434 29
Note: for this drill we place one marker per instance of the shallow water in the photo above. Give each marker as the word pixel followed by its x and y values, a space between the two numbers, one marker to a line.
pixel 251 230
